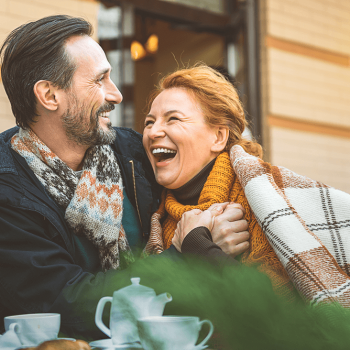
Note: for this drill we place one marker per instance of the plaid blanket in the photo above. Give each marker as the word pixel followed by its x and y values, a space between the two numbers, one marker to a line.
pixel 306 222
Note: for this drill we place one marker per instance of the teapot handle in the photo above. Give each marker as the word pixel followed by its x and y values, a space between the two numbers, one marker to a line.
pixel 98 315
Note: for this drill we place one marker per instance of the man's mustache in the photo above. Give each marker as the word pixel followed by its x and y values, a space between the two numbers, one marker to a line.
pixel 107 107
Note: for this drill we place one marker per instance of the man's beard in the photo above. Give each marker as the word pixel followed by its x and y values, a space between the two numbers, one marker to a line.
pixel 77 130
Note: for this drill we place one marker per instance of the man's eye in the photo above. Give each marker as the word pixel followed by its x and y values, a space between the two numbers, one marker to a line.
pixel 100 79
pixel 173 118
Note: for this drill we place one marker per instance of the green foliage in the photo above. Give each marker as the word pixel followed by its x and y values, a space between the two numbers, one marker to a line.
pixel 243 307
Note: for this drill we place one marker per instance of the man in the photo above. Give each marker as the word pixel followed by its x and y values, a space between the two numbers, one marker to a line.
pixel 76 195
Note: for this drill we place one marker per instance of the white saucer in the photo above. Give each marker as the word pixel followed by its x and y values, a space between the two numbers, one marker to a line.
pixel 106 344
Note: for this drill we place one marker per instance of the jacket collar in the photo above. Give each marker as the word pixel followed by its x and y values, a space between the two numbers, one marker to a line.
pixel 6 160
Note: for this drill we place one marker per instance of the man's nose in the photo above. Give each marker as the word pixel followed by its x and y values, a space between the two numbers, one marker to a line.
pixel 113 95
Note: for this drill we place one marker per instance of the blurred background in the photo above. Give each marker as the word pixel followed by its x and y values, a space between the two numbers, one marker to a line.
pixel 289 59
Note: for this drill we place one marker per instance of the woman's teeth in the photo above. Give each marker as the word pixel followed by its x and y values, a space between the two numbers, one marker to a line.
pixel 162 150
pixel 163 154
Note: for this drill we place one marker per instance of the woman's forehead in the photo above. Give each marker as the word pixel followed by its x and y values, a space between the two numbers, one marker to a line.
pixel 175 99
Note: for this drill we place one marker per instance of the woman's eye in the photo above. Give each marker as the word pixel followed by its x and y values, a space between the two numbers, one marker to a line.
pixel 173 118
pixel 148 122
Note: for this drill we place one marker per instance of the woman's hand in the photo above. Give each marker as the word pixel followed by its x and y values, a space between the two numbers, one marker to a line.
pixel 196 218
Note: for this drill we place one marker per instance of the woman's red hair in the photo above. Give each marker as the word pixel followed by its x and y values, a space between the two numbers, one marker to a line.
pixel 218 99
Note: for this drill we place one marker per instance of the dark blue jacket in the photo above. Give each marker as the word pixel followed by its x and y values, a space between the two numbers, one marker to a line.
pixel 43 266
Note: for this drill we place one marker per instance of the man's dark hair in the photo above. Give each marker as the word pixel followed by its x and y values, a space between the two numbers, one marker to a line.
pixel 36 51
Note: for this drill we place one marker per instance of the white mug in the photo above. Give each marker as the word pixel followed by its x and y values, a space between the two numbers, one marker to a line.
pixel 33 329
pixel 172 332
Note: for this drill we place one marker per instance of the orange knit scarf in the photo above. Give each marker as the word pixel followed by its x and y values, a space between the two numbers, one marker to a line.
pixel 221 186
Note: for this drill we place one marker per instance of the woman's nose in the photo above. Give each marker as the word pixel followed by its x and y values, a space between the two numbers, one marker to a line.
pixel 156 130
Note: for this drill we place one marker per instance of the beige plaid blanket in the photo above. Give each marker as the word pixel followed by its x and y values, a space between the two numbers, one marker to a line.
pixel 306 222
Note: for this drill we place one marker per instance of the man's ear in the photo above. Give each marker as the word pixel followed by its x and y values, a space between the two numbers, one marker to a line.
pixel 222 135
pixel 46 93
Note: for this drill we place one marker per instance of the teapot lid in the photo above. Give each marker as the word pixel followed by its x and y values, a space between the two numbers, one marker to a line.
pixel 135 280
pixel 136 288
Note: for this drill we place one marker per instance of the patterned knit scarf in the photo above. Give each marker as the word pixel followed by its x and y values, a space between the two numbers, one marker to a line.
pixel 93 204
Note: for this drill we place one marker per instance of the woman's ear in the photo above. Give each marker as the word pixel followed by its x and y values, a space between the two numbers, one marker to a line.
pixel 45 93
pixel 222 135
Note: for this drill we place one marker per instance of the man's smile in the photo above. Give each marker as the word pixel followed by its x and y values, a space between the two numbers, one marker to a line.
pixel 104 114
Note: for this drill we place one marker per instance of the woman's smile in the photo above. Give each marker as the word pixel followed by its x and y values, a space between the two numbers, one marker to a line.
pixel 163 155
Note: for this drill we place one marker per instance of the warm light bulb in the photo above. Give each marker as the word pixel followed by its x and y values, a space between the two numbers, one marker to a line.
pixel 152 44
pixel 137 51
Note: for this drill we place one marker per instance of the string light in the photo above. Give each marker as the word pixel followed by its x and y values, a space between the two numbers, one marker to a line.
pixel 152 44
pixel 138 51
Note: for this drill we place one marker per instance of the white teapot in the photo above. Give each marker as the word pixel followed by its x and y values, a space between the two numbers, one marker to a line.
pixel 128 305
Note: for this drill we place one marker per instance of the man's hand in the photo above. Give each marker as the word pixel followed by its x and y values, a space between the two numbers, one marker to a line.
pixel 229 231
pixel 196 218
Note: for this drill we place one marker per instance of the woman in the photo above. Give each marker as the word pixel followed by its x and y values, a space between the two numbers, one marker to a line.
pixel 195 119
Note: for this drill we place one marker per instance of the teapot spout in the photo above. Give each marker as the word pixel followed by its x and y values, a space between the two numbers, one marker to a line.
pixel 158 304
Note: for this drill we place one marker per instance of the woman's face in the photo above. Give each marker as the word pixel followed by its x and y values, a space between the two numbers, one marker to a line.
pixel 178 142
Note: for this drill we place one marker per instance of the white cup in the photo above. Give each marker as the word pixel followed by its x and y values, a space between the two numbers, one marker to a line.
pixel 33 329
pixel 172 332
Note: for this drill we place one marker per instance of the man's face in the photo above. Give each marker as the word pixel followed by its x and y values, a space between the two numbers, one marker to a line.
pixel 92 95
